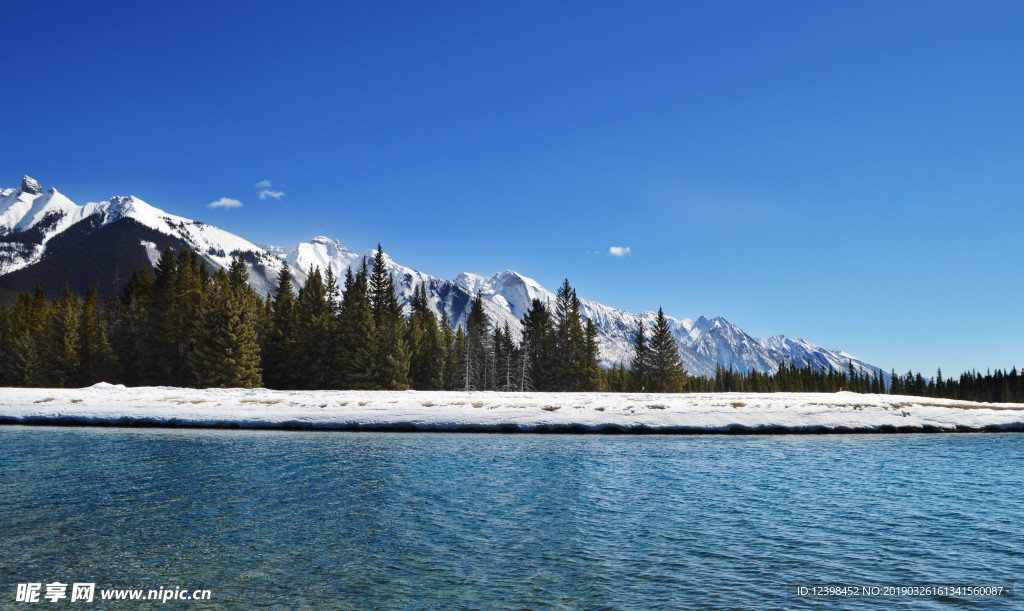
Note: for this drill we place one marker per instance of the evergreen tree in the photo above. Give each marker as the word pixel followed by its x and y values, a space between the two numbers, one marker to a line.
pixel 569 340
pixel 186 308
pixel 506 360
pixel 426 367
pixel 313 334
pixel 279 357
pixel 96 359
pixel 60 352
pixel 451 358
pixel 639 368
pixel 357 334
pixel 593 375
pixel 29 322
pixel 665 369
pixel 127 320
pixel 477 352
pixel 227 354
pixel 538 347
pixel 390 355
pixel 159 351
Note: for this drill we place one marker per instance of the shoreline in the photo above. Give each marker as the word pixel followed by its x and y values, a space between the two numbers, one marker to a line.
pixel 611 430
pixel 110 405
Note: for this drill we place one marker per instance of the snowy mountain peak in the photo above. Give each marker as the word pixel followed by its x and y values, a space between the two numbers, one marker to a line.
pixel 471 282
pixel 29 185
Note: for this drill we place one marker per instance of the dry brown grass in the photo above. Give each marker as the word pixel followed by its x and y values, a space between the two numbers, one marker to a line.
pixel 46 400
pixel 598 409
pixel 427 404
pixel 76 400
pixel 478 404
pixel 738 404
pixel 550 408
pixel 656 406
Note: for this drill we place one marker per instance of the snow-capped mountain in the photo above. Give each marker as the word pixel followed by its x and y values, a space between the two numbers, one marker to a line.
pixel 46 238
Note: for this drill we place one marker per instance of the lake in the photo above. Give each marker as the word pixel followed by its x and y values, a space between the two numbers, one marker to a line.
pixel 403 520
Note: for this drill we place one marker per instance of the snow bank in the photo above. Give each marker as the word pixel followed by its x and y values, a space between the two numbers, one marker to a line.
pixel 107 404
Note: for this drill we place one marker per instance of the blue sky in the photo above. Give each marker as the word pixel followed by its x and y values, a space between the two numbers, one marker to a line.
pixel 847 172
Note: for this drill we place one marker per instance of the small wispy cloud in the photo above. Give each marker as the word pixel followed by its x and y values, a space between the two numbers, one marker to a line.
pixel 619 251
pixel 267 193
pixel 263 184
pixel 225 202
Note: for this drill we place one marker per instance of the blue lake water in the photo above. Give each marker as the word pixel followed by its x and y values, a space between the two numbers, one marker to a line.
pixel 393 520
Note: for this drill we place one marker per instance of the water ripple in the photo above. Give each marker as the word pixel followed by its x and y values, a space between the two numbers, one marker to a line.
pixel 344 520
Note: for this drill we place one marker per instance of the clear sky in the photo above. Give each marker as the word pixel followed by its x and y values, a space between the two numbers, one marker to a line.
pixel 846 172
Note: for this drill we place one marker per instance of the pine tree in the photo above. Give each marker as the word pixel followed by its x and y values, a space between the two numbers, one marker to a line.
pixel 279 369
pixel 665 369
pixel 477 353
pixel 127 320
pixel 357 334
pixel 426 367
pixel 569 341
pixel 96 360
pixel 158 356
pixel 538 346
pixel 227 354
pixel 593 375
pixel 390 355
pixel 60 352
pixel 506 359
pixel 186 308
pixel 7 336
pixel 639 368
pixel 29 323
pixel 313 334
pixel 450 368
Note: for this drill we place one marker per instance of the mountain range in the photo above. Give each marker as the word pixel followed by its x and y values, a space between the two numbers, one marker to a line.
pixel 47 239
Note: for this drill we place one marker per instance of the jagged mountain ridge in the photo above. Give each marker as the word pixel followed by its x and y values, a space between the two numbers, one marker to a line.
pixel 44 234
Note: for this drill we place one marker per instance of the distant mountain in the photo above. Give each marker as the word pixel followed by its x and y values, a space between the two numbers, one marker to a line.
pixel 47 239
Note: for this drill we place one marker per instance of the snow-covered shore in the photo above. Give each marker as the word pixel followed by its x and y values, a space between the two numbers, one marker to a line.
pixel 110 405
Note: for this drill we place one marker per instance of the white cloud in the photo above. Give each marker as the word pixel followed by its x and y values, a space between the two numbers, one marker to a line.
pixel 225 202
pixel 263 184
pixel 619 251
pixel 265 193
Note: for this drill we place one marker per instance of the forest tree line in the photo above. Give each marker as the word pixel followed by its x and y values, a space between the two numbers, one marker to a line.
pixel 180 325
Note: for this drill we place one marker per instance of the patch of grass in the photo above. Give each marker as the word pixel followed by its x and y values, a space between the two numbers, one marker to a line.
pixel 656 406
pixel 427 404
pixel 46 400
pixel 343 404
pixel 197 401
pixel 76 400
pixel 263 401
pixel 550 408
pixel 363 403
pixel 323 406
pixel 738 404
pixel 459 403
pixel 598 409
pixel 478 404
